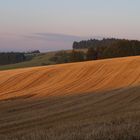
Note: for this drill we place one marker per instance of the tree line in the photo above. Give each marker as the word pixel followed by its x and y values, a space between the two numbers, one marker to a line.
pixel 16 57
pixel 67 57
pixel 11 58
pixel 108 48
pixel 98 49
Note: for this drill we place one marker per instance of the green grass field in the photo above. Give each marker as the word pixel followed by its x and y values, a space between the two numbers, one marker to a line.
pixel 38 60
pixel 42 59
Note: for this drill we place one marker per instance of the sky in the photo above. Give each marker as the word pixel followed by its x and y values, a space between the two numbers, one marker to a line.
pixel 50 25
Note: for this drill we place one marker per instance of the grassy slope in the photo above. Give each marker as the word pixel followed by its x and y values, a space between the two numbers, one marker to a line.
pixel 95 115
pixel 39 60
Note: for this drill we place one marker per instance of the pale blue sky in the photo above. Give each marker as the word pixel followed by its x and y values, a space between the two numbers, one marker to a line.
pixel 22 20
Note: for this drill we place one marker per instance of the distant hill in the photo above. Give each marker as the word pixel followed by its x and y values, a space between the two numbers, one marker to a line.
pixel 39 59
pixel 36 60
pixel 82 51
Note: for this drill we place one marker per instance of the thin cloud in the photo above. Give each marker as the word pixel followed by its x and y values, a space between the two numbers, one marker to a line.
pixel 54 37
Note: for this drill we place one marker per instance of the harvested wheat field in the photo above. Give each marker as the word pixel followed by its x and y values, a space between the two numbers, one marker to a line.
pixel 87 100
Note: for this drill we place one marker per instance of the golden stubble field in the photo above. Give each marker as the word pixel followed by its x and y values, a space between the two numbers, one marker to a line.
pixel 77 98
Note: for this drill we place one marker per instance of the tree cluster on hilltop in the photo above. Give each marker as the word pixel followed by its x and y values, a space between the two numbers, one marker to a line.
pixel 85 44
pixel 98 49
pixel 108 48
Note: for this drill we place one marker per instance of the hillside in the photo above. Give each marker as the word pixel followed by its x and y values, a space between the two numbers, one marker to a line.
pixel 71 78
pixel 42 59
pixel 81 96
pixel 38 60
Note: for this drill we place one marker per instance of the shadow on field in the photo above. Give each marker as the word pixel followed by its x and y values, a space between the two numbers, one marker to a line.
pixel 113 115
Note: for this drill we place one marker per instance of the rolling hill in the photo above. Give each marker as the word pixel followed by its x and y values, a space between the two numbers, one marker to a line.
pixel 37 60
pixel 74 98
pixel 66 79
pixel 41 59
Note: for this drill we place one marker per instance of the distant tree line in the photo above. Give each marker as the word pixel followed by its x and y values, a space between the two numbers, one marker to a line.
pixel 16 57
pixel 98 49
pixel 108 48
pixel 67 57
pixel 11 58
pixel 33 52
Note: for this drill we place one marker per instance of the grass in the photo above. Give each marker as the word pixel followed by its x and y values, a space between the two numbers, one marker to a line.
pixel 39 60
